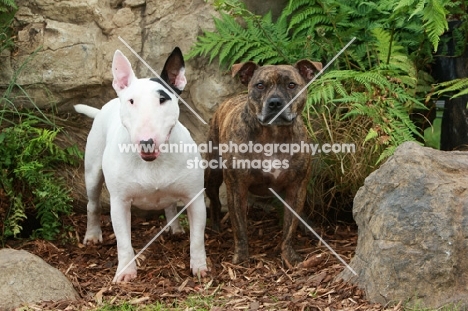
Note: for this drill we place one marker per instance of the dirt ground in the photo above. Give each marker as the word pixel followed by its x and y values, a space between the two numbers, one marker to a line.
pixel 264 283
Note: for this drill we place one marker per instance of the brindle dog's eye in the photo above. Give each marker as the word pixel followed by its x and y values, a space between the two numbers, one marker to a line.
pixel 260 86
pixel 292 85
pixel 131 101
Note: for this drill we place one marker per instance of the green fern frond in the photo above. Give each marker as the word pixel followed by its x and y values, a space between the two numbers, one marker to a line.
pixel 7 5
pixel 435 21
pixel 433 14
pixel 454 88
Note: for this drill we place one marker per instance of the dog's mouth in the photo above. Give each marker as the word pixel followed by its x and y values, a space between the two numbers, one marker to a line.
pixel 149 156
pixel 149 151
pixel 271 119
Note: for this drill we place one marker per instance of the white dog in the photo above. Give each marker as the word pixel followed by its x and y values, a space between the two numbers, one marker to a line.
pixel 145 115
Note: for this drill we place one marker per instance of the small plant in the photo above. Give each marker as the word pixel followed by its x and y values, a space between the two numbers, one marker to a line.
pixel 30 153
pixel 30 189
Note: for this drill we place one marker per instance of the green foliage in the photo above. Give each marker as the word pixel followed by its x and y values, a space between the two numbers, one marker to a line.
pixel 30 153
pixel 454 88
pixel 320 28
pixel 7 5
pixel 7 11
pixel 431 12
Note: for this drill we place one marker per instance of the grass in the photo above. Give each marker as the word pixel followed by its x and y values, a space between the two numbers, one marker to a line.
pixel 197 302
pixel 205 303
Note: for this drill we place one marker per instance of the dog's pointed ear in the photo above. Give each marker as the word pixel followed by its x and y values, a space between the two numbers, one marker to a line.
pixel 245 71
pixel 122 72
pixel 174 71
pixel 308 69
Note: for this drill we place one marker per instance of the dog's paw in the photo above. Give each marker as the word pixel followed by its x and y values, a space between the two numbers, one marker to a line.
pixel 176 230
pixel 198 266
pixel 290 257
pixel 240 257
pixel 126 276
pixel 200 271
pixel 92 237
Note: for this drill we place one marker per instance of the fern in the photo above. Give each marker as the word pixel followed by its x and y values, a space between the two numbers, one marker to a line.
pixel 454 88
pixel 7 5
pixel 432 13
pixel 27 177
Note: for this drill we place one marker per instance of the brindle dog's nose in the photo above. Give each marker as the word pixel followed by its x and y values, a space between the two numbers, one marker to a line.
pixel 147 144
pixel 274 104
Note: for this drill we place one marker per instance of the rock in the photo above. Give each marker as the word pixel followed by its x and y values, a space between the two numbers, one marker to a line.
pixel 123 17
pixel 210 91
pixel 412 215
pixel 68 47
pixel 134 3
pixel 26 278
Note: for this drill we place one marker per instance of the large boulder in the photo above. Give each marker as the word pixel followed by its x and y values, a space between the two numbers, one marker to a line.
pixel 26 278
pixel 412 215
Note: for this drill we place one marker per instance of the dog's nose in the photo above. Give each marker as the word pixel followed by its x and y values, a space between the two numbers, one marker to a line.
pixel 147 144
pixel 274 104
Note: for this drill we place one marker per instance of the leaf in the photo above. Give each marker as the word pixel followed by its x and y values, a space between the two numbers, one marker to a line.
pixel 371 135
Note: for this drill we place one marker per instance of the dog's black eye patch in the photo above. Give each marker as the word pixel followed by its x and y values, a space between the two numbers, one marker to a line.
pixel 173 89
pixel 163 96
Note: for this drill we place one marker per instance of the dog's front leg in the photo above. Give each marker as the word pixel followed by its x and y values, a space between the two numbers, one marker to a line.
pixel 196 213
pixel 121 223
pixel 295 198
pixel 175 226
pixel 237 206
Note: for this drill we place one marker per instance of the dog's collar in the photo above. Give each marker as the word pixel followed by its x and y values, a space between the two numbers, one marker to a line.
pixel 173 89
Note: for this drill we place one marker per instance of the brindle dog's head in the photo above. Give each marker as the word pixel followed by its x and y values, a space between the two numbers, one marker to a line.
pixel 271 88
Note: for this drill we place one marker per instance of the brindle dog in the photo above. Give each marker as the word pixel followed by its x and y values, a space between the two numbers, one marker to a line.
pixel 245 118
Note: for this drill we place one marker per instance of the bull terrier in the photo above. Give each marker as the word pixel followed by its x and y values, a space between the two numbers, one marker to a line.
pixel 245 119
pixel 144 116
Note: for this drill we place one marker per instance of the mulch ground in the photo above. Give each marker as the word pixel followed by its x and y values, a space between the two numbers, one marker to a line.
pixel 264 283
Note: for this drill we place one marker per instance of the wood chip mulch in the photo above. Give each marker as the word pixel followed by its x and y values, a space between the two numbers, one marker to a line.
pixel 264 283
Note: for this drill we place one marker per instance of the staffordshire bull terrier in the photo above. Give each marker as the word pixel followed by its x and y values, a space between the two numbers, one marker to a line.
pixel 245 121
pixel 123 148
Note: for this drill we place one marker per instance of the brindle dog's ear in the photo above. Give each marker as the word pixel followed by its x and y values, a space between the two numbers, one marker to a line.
pixel 308 69
pixel 245 71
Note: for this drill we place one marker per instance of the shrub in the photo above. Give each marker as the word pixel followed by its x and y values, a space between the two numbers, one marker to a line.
pixel 30 153
pixel 29 157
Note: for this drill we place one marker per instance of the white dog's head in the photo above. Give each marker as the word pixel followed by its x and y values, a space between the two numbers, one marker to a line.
pixel 148 108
